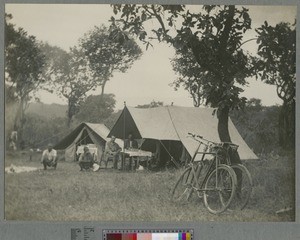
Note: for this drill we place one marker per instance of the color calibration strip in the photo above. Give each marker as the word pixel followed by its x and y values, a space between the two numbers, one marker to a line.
pixel 147 235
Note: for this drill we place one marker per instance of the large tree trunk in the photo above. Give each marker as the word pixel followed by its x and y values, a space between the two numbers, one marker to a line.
pixel 69 113
pixel 102 90
pixel 223 112
pixel 223 118
pixel 102 87
pixel 19 123
pixel 287 126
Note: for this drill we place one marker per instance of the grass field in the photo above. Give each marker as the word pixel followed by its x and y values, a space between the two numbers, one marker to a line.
pixel 112 195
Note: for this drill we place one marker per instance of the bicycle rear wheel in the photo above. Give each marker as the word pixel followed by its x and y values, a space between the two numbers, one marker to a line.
pixel 244 187
pixel 183 187
pixel 219 189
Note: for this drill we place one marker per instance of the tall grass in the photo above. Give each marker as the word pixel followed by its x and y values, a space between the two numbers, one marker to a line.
pixel 111 195
pixel 274 183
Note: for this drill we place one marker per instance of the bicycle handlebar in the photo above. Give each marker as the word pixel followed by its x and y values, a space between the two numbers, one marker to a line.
pixel 201 138
pixel 231 144
pixel 195 135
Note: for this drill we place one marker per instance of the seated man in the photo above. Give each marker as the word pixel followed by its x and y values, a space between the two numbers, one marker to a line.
pixel 130 143
pixel 112 150
pixel 86 159
pixel 49 157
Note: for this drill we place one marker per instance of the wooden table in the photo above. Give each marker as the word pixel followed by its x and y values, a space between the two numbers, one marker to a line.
pixel 134 154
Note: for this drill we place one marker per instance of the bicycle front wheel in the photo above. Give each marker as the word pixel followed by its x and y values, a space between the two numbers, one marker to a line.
pixel 219 189
pixel 243 188
pixel 183 187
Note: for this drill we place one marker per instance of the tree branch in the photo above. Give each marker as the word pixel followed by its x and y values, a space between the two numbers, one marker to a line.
pixel 247 41
pixel 158 17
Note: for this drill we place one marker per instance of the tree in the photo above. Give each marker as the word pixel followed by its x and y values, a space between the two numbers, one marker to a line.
pixel 23 67
pixel 190 76
pixel 107 53
pixel 40 131
pixel 213 35
pixel 96 108
pixel 112 119
pixel 276 65
pixel 153 104
pixel 258 125
pixel 11 96
pixel 254 104
pixel 70 76
pixel 11 111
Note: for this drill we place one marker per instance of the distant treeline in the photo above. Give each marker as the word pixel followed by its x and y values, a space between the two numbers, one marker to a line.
pixel 257 124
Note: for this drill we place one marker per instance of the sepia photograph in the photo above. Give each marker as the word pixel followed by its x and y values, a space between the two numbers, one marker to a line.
pixel 150 112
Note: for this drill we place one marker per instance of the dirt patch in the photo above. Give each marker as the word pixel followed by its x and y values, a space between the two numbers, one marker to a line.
pixel 18 169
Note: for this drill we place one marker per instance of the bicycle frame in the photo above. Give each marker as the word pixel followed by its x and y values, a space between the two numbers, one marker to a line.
pixel 216 179
pixel 213 165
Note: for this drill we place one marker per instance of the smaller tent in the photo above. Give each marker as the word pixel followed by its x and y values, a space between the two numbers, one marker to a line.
pixel 91 134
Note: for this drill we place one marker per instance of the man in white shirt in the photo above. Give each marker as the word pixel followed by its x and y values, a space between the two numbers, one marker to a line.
pixel 49 157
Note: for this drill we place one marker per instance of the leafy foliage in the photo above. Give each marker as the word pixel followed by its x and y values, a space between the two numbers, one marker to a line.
pixel 258 125
pixel 23 67
pixel 47 110
pixel 190 76
pixel 277 58
pixel 276 65
pixel 10 95
pixel 39 131
pixel 153 104
pixel 70 76
pixel 108 50
pixel 23 60
pixel 213 36
pixel 96 108
pixel 112 119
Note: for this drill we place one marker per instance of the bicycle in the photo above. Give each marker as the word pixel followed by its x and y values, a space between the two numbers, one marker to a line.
pixel 244 180
pixel 219 180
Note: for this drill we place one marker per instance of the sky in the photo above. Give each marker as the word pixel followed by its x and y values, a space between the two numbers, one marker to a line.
pixel 150 77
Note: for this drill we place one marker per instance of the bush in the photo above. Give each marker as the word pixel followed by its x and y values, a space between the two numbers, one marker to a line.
pixel 274 182
pixel 258 126
pixel 38 131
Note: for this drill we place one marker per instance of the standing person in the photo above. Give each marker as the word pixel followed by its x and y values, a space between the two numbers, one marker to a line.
pixel 130 143
pixel 86 159
pixel 49 157
pixel 13 140
pixel 112 150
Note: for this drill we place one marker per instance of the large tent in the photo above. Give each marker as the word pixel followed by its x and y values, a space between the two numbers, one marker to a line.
pixel 84 134
pixel 170 125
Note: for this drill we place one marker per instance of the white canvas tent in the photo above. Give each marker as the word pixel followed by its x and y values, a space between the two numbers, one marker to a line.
pixel 84 134
pixel 173 123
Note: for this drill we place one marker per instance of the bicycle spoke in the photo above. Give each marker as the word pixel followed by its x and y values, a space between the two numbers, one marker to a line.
pixel 220 180
pixel 226 185
pixel 244 187
pixel 184 187
pixel 223 183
